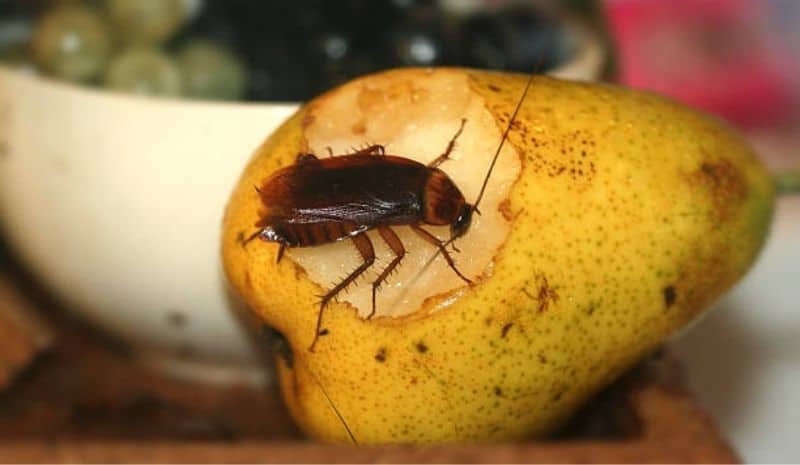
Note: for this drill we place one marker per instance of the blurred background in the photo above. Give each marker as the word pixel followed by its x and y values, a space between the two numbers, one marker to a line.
pixel 738 59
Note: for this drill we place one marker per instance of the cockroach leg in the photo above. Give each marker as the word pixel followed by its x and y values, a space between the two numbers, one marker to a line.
pixel 330 151
pixel 450 145
pixel 260 224
pixel 305 157
pixel 364 246
pixel 394 243
pixel 250 238
pixel 433 240
pixel 281 249
pixel 374 149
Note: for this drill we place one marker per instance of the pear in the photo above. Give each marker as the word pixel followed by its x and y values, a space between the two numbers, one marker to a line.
pixel 613 219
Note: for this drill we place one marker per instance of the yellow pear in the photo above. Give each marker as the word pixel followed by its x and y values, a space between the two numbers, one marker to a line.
pixel 612 219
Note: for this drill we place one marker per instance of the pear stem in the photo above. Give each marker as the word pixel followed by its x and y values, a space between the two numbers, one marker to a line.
pixel 787 182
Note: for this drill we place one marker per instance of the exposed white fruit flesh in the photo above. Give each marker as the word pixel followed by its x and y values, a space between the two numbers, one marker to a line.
pixel 415 118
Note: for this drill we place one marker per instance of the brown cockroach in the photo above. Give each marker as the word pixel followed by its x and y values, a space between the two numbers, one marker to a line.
pixel 317 201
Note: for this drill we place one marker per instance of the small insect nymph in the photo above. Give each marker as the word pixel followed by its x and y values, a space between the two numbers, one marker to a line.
pixel 317 201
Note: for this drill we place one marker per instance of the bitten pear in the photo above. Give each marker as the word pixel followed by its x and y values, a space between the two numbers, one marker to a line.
pixel 613 219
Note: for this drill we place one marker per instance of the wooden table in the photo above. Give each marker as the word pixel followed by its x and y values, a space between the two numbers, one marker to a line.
pixel 84 400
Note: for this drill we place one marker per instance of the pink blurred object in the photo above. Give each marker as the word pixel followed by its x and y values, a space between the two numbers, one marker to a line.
pixel 718 55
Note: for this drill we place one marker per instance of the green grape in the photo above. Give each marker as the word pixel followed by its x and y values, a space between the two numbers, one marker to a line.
pixel 145 72
pixel 71 42
pixel 211 71
pixel 145 22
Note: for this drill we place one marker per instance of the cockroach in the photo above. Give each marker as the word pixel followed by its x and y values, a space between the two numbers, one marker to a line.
pixel 317 201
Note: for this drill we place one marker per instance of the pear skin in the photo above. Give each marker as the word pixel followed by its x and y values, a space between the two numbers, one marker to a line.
pixel 613 219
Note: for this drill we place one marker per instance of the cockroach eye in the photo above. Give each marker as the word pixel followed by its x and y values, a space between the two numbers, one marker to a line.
pixel 461 225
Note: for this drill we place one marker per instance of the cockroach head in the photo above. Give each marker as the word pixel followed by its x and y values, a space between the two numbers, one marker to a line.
pixel 461 225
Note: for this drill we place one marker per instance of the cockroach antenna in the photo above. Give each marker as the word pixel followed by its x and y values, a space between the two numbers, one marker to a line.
pixel 537 67
pixel 502 142
pixel 474 207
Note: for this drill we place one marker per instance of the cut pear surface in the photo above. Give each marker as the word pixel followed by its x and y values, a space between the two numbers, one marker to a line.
pixel 415 118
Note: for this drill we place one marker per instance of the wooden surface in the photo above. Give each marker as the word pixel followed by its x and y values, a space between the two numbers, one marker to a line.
pixel 22 334
pixel 86 401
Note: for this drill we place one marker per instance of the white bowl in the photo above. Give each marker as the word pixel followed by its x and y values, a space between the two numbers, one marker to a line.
pixel 115 202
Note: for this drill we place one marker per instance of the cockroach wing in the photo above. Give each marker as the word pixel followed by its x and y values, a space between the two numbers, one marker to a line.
pixel 366 190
